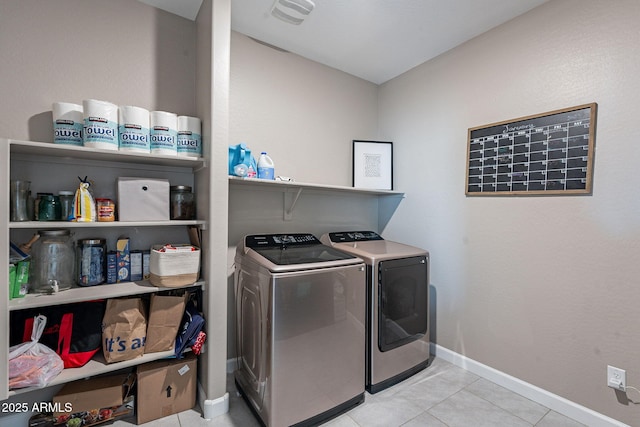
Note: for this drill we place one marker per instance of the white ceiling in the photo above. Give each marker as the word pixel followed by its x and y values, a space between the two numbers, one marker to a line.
pixel 376 40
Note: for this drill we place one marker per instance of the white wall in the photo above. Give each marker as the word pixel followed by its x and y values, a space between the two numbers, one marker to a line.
pixel 542 288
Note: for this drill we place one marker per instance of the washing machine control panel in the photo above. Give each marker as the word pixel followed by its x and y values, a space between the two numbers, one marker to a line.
pixel 279 240
pixel 354 236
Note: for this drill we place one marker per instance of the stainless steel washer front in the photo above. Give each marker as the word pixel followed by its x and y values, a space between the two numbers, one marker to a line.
pixel 300 329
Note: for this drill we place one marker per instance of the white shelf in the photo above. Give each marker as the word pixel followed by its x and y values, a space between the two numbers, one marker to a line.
pixel 97 366
pixel 76 152
pixel 89 293
pixel 295 186
pixel 44 225
pixel 293 190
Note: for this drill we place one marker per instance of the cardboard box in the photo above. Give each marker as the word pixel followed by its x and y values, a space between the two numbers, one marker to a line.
pixel 145 264
pixel 112 267
pixel 136 265
pixel 123 260
pixel 95 394
pixel 166 387
pixel 143 199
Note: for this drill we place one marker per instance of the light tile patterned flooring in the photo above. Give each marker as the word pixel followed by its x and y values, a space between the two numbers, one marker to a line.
pixel 441 395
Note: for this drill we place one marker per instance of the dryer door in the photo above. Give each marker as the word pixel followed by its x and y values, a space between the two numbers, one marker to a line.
pixel 402 301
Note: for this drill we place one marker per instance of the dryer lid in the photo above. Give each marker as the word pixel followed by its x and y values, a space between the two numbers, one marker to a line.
pixel 354 236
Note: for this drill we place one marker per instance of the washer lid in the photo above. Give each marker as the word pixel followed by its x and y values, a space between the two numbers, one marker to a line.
pixel 296 249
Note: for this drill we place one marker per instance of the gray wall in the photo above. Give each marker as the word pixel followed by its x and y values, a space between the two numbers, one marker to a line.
pixel 121 51
pixel 541 288
pixel 305 115
pixel 544 289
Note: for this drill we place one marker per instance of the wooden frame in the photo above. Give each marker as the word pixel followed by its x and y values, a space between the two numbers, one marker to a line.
pixel 373 165
pixel 543 154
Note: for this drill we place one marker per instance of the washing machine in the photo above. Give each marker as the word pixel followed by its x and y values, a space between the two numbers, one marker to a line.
pixel 397 305
pixel 300 310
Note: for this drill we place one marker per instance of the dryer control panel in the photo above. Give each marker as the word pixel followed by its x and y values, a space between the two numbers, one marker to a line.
pixel 354 236
pixel 279 240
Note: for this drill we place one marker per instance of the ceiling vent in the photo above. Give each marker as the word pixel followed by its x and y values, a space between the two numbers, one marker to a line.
pixel 292 11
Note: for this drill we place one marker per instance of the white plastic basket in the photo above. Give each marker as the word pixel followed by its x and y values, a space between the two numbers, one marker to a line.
pixel 171 269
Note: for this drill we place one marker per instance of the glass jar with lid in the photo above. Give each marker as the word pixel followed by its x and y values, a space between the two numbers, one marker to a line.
pixel 91 256
pixel 52 262
pixel 183 202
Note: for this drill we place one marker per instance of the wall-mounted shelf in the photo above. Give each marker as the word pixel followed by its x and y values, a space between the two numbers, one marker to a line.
pixel 293 190
pixel 293 186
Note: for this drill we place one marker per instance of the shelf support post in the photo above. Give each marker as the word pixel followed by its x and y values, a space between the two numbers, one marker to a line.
pixel 288 213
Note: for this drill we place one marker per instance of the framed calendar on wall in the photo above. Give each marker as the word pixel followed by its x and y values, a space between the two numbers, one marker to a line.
pixel 544 154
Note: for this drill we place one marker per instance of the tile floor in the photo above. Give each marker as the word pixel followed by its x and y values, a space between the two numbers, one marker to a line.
pixel 442 395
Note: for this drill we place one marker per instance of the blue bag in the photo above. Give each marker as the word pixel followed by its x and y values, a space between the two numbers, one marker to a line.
pixel 190 330
pixel 241 154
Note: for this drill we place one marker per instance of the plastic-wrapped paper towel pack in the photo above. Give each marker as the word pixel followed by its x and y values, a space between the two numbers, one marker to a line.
pixel 104 125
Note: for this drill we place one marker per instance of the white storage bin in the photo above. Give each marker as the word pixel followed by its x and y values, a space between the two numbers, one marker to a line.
pixel 174 268
pixel 143 199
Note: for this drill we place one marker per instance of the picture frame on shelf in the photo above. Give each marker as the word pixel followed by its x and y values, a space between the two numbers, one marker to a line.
pixel 372 164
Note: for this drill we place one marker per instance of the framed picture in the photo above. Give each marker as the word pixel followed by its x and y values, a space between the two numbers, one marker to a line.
pixel 373 165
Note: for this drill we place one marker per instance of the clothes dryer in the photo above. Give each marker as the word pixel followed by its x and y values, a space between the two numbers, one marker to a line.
pixel 300 308
pixel 397 305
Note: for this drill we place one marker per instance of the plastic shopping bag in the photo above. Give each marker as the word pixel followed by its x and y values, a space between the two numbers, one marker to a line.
pixel 32 364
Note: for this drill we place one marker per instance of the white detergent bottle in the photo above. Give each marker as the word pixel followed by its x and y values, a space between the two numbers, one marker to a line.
pixel 265 167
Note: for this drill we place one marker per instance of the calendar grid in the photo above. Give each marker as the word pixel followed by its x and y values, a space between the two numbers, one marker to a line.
pixel 549 153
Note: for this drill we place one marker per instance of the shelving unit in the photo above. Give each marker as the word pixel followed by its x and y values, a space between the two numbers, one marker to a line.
pixel 44 162
pixel 212 33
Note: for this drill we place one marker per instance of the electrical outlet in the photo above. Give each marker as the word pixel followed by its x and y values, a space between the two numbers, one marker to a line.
pixel 616 378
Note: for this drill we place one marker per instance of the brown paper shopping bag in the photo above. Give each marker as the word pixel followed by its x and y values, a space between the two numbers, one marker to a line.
pixel 124 329
pixel 165 315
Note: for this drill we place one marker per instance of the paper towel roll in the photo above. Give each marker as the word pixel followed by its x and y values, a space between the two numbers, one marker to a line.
pixel 189 136
pixel 100 124
pixel 133 129
pixel 164 132
pixel 67 123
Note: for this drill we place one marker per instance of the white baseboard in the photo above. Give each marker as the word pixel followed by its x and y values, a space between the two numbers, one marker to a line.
pixel 212 408
pixel 552 401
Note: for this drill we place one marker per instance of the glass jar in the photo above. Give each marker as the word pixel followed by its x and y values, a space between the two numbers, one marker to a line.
pixel 52 262
pixel 66 204
pixel 183 202
pixel 19 198
pixel 92 261
pixel 106 210
pixel 49 208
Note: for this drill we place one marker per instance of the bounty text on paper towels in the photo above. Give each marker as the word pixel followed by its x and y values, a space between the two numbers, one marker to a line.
pixel 121 345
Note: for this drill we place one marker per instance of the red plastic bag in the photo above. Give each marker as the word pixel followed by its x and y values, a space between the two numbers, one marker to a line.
pixel 32 364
